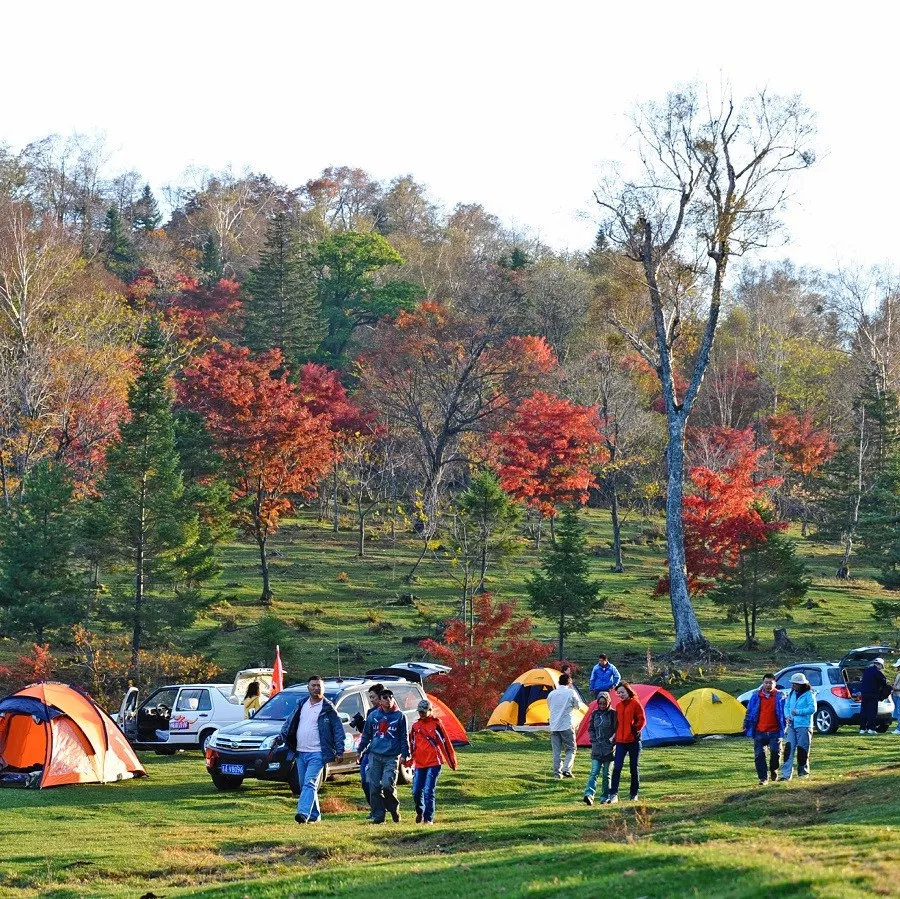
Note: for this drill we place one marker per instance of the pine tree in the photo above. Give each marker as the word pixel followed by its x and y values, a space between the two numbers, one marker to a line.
pixel 212 266
pixel 145 215
pixel 562 590
pixel 41 592
pixel 152 526
pixel 116 247
pixel 766 576
pixel 283 310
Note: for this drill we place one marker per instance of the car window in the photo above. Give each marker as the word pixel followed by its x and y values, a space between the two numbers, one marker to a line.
pixel 784 679
pixel 164 697
pixel 834 676
pixel 281 706
pixel 194 700
pixel 814 676
pixel 351 705
pixel 406 696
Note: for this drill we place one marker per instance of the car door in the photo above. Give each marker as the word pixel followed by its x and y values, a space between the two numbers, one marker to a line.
pixel 153 716
pixel 407 697
pixel 348 706
pixel 192 711
pixel 127 716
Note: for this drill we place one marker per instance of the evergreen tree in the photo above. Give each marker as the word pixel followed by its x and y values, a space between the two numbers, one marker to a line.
pixel 283 308
pixel 766 576
pixel 152 526
pixel 41 592
pixel 145 215
pixel 212 266
pixel 116 247
pixel 562 590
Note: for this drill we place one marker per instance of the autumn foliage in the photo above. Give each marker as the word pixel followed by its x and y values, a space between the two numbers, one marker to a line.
pixel 549 452
pixel 501 649
pixel 803 447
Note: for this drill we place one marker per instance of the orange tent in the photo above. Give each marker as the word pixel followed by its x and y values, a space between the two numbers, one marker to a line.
pixel 452 724
pixel 51 734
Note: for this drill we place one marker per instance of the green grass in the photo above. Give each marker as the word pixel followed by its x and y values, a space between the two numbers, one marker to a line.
pixel 702 828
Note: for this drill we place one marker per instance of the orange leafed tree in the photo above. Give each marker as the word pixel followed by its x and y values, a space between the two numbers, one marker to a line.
pixel 803 447
pixel 481 668
pixel 273 445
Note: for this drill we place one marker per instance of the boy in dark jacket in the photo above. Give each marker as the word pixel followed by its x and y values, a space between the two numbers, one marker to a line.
pixel 386 737
pixel 602 731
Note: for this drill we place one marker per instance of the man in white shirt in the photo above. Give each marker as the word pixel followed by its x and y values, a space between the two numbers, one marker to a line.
pixel 563 702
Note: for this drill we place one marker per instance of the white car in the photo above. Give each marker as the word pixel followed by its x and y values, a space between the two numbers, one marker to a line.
pixel 185 716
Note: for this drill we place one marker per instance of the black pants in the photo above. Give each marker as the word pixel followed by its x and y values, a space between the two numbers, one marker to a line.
pixel 869 716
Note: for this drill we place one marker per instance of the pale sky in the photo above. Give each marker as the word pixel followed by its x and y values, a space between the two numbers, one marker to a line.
pixel 514 105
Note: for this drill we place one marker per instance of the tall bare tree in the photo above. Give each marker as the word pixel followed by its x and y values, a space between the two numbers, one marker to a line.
pixel 712 179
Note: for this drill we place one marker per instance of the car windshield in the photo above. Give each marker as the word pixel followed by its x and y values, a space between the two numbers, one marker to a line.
pixel 281 706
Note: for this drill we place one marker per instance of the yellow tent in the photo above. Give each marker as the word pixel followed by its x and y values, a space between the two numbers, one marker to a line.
pixel 711 711
pixel 524 704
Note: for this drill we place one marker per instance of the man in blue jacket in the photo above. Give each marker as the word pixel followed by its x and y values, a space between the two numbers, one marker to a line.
pixel 765 722
pixel 604 676
pixel 315 735
pixel 386 737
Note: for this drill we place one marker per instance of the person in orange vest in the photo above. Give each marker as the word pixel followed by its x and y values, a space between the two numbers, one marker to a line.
pixel 431 747
pixel 630 721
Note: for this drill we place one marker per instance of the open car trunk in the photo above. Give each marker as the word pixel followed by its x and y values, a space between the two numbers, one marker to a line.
pixel 856 661
pixel 244 678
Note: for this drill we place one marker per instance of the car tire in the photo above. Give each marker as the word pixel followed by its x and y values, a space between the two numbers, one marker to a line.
pixel 225 782
pixel 825 721
pixel 205 737
pixel 404 775
pixel 881 727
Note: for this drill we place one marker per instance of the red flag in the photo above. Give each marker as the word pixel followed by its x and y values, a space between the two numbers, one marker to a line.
pixel 277 674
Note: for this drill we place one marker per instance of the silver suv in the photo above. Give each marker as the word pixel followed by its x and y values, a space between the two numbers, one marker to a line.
pixel 836 685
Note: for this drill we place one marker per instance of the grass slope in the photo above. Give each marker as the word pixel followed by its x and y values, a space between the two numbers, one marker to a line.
pixel 702 828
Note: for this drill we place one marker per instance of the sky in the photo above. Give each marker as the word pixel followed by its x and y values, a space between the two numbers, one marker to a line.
pixel 512 105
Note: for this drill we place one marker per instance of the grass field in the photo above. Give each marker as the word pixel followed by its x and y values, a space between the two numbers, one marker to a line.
pixel 701 828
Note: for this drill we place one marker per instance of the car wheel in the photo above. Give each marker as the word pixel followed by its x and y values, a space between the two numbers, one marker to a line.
pixel 825 720
pixel 205 737
pixel 881 727
pixel 404 774
pixel 225 782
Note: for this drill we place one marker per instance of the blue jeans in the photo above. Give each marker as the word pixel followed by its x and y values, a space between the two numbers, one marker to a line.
pixel 599 767
pixel 772 742
pixel 383 784
pixel 364 775
pixel 424 780
pixel 309 767
pixel 633 751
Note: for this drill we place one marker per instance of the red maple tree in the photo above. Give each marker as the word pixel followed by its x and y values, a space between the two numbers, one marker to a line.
pixel 803 447
pixel 500 649
pixel 549 452
pixel 275 447
pixel 722 514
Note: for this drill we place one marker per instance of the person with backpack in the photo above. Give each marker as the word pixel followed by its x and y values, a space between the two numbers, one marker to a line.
pixel 386 736
pixel 602 731
pixel 799 708
pixel 431 748
pixel 765 722
pixel 630 721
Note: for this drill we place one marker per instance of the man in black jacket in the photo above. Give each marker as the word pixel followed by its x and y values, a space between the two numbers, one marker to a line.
pixel 874 688
pixel 315 735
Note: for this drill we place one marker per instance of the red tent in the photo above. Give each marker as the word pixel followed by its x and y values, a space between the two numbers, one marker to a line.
pixel 665 725
pixel 455 730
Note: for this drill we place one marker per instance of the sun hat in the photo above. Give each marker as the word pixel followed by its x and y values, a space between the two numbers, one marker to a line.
pixel 799 678
pixel 878 661
pixel 425 706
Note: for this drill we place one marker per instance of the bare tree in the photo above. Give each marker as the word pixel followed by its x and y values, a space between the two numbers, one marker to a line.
pixel 713 178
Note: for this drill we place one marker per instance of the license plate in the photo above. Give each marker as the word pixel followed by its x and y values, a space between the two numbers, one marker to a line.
pixel 237 770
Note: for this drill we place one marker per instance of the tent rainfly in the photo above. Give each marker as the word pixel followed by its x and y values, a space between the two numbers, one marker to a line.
pixel 711 711
pixel 524 704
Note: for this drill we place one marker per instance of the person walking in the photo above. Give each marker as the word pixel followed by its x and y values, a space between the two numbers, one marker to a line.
pixel 799 708
pixel 895 693
pixel 386 737
pixel 252 700
pixel 359 723
pixel 431 748
pixel 604 676
pixel 602 731
pixel 563 702
pixel 630 721
pixel 764 722
pixel 874 687
pixel 315 734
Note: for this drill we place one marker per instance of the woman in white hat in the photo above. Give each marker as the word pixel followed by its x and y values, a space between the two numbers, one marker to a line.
pixel 799 708
pixel 895 693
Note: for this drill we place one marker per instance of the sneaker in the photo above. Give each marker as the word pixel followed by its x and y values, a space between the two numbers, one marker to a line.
pixel 567 774
pixel 558 776
pixel 374 821
pixel 633 798
pixel 763 783
pixel 418 817
pixel 862 732
pixel 614 797
pixel 395 816
pixel 589 800
pixel 429 821
pixel 896 732
pixel 301 819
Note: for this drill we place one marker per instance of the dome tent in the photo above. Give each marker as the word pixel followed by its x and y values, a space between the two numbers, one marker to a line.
pixel 52 734
pixel 452 724
pixel 711 711
pixel 666 724
pixel 523 706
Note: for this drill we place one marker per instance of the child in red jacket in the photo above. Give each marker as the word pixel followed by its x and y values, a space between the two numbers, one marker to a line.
pixel 431 747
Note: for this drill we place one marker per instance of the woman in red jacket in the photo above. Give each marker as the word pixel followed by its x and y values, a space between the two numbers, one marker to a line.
pixel 431 747
pixel 630 723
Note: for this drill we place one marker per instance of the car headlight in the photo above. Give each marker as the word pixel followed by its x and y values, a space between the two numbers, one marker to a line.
pixel 268 743
pixel 213 741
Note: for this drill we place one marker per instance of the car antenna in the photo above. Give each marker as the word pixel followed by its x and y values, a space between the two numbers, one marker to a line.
pixel 339 660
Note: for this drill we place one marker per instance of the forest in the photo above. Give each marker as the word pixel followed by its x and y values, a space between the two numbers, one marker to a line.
pixel 186 373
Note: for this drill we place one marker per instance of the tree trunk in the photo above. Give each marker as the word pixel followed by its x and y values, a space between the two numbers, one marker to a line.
pixel 553 530
pixel 139 562
pixel 562 627
pixel 783 643
pixel 334 498
pixel 618 564
pixel 689 638
pixel 361 544
pixel 266 597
